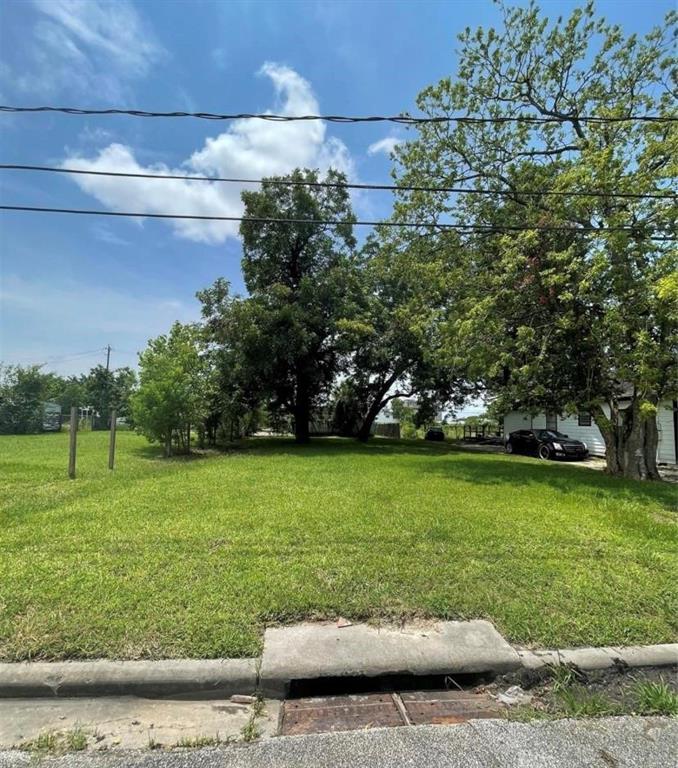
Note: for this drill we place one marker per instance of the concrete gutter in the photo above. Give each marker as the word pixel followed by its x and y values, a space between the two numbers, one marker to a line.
pixel 316 651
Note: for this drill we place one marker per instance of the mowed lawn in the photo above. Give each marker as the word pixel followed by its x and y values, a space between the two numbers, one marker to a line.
pixel 194 557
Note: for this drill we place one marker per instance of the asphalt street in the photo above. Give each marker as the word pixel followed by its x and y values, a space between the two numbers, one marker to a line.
pixel 623 742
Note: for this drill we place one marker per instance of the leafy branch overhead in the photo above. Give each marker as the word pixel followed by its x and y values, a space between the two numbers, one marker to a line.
pixel 567 320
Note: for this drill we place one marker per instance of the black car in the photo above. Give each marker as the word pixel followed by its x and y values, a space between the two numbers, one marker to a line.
pixel 434 433
pixel 546 443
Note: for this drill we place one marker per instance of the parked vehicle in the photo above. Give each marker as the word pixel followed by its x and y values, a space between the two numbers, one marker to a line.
pixel 546 444
pixel 51 416
pixel 434 433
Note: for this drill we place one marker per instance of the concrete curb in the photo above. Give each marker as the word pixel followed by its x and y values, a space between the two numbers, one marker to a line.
pixel 317 651
pixel 190 677
pixel 314 651
pixel 590 659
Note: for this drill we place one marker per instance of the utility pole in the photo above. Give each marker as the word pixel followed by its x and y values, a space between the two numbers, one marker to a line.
pixel 104 406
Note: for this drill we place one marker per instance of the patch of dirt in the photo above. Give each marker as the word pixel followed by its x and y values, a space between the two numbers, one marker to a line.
pixel 571 692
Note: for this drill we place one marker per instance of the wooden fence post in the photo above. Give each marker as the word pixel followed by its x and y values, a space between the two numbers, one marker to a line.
pixel 72 442
pixel 111 444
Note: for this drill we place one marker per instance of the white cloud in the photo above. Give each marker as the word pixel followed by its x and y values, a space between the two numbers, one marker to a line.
pixel 84 46
pixel 386 145
pixel 102 233
pixel 247 149
pixel 51 320
pixel 113 28
pixel 95 135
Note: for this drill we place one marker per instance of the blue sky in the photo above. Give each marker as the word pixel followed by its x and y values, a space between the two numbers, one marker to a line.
pixel 71 285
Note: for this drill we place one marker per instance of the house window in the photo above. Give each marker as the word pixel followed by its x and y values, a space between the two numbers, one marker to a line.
pixel 552 421
pixel 584 419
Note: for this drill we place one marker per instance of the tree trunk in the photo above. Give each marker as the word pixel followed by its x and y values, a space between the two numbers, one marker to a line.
pixel 377 404
pixel 372 413
pixel 168 444
pixel 302 411
pixel 301 423
pixel 631 440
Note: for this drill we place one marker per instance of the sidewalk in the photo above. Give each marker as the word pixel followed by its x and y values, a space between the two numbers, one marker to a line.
pixel 624 742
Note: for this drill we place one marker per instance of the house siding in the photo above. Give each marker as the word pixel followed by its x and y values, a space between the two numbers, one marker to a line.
pixel 569 425
pixel 515 420
pixel 589 435
pixel 666 453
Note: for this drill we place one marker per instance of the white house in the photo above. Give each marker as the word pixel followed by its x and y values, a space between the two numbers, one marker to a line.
pixel 581 426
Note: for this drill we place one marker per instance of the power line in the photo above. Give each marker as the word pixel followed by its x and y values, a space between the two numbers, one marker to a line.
pixel 73 356
pixel 399 119
pixel 342 185
pixel 331 222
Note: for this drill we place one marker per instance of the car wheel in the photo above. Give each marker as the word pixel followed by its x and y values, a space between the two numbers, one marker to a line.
pixel 544 452
pixel 509 448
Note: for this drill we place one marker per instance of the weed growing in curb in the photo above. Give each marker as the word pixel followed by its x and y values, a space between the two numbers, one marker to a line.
pixel 563 677
pixel 576 701
pixel 76 740
pixel 250 731
pixel 152 743
pixel 525 713
pixel 44 742
pixel 197 742
pixel 656 699
pixel 57 742
pixel 566 691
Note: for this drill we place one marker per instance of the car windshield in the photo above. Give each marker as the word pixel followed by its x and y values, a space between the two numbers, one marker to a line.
pixel 550 434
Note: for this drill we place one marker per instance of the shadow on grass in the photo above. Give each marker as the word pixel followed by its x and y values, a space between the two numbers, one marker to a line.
pixel 515 473
pixel 154 452
pixel 321 446
pixel 286 446
pixel 451 461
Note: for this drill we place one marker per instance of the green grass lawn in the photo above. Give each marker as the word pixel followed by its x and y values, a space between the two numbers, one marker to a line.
pixel 194 557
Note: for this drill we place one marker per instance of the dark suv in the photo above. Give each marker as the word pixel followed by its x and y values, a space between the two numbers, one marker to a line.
pixel 546 443
pixel 434 433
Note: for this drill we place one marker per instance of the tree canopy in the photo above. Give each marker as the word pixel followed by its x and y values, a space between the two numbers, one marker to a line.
pixel 283 339
pixel 173 388
pixel 394 344
pixel 24 391
pixel 561 319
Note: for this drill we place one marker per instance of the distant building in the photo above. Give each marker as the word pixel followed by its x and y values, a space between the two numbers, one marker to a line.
pixel 581 426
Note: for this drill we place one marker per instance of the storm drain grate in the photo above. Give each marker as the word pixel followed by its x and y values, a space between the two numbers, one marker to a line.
pixel 322 714
pixel 447 707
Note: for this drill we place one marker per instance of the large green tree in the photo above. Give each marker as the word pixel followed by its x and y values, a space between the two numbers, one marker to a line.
pixel 576 318
pixel 236 392
pixel 72 391
pixel 174 383
pixel 301 280
pixel 107 389
pixel 393 346
pixel 23 391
